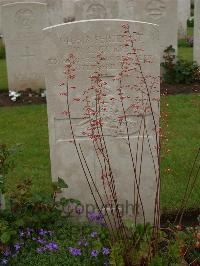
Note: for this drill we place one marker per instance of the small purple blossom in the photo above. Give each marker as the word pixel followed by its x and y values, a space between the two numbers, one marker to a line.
pixel 17 246
pixel 75 251
pixel 41 250
pixel 52 246
pixel 83 243
pixel 96 217
pixel 41 241
pixel 94 234
pixel 7 253
pixel 94 253
pixel 105 251
pixel 21 233
pixel 42 232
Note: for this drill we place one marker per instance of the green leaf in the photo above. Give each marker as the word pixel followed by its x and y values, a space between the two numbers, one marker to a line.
pixel 5 237
pixel 61 183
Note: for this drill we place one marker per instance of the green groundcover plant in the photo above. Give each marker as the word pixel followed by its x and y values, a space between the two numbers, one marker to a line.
pixel 36 229
pixel 179 71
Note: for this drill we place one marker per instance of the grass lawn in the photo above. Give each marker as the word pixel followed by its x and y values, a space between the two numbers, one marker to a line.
pixel 185 53
pixel 3 76
pixel 27 126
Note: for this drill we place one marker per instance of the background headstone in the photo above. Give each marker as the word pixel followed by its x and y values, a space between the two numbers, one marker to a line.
pixel 183 15
pixel 84 41
pixel 5 2
pixel 96 9
pixel 68 10
pixel 163 13
pixel 197 32
pixel 55 12
pixel 22 27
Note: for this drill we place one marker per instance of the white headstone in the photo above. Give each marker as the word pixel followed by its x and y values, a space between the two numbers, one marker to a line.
pixel 96 9
pixel 22 27
pixel 197 32
pixel 183 11
pixel 5 2
pixel 68 10
pixel 55 12
pixel 110 75
pixel 163 13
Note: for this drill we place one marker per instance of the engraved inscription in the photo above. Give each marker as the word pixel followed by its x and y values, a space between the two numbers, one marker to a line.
pixel 96 11
pixel 156 9
pixel 25 18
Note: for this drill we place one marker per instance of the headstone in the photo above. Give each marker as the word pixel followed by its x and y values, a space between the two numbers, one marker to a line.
pixel 55 12
pixel 161 12
pixel 22 27
pixel 68 10
pixel 100 82
pixel 5 2
pixel 183 15
pixel 96 9
pixel 197 32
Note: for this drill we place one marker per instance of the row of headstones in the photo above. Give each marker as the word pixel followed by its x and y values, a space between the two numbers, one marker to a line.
pixel 23 24
pixel 72 11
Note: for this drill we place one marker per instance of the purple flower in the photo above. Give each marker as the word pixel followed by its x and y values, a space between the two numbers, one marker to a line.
pixel 41 250
pixel 96 217
pixel 41 241
pixel 21 233
pixel 75 251
pixel 52 246
pixel 106 251
pixel 4 261
pixel 42 232
pixel 17 246
pixel 94 253
pixel 7 253
pixel 83 243
pixel 94 234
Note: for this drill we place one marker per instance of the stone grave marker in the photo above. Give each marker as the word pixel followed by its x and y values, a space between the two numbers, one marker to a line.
pixel 163 13
pixel 5 2
pixel 96 9
pixel 197 32
pixel 55 12
pixel 22 27
pixel 97 73
pixel 183 11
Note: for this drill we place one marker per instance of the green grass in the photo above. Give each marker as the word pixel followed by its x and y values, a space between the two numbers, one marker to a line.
pixel 185 53
pixel 184 129
pixel 3 76
pixel 190 31
pixel 27 126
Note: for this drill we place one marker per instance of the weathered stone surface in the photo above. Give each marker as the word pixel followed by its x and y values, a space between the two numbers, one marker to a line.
pixel 183 15
pixel 163 13
pixel 5 2
pixel 68 10
pixel 197 32
pixel 96 9
pixel 55 12
pixel 22 27
pixel 111 66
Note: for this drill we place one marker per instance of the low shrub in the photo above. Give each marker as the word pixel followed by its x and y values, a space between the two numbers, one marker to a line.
pixel 180 71
pixel 190 22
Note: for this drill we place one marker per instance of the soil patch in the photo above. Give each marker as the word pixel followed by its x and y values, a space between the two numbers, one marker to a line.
pixel 28 97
